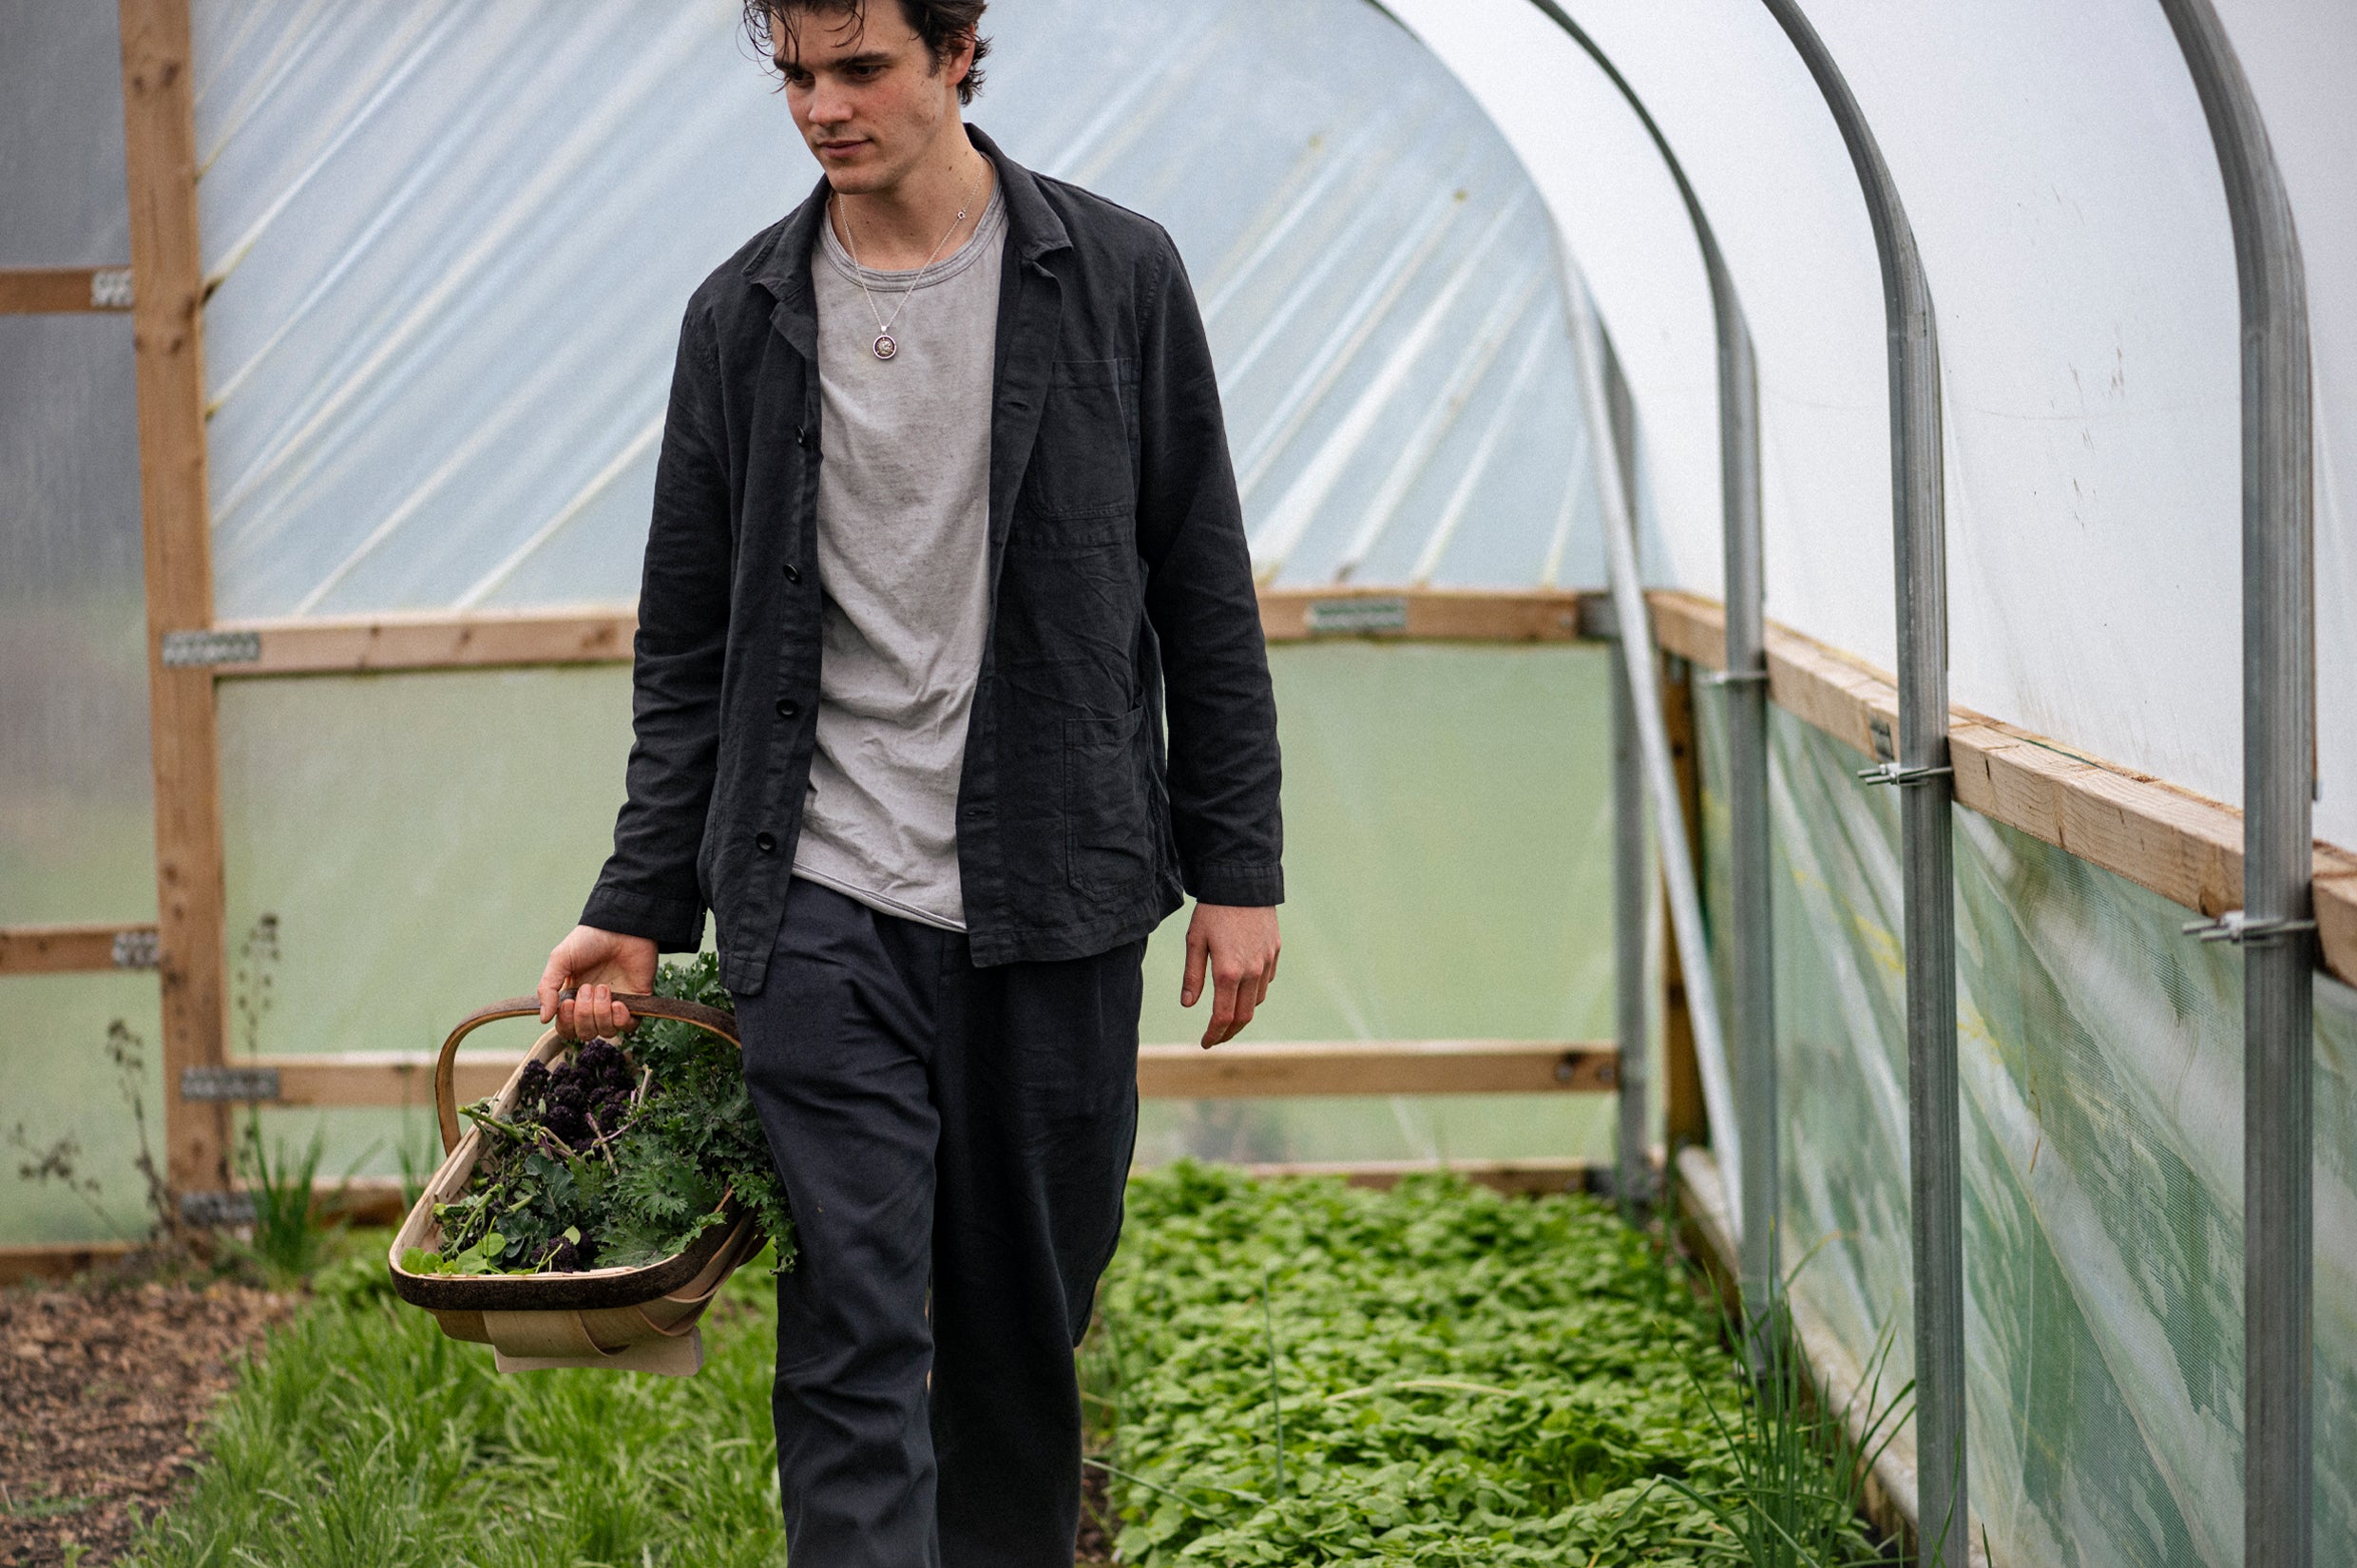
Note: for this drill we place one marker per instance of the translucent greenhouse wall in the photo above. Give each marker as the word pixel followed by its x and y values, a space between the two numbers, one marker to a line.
pixel 2101 1065
pixel 449 255
pixel 1448 854
pixel 2067 203
pixel 76 841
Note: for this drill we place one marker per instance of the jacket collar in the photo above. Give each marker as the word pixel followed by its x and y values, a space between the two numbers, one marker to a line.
pixel 782 265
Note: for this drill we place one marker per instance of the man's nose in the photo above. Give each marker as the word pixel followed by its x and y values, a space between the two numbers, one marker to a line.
pixel 829 108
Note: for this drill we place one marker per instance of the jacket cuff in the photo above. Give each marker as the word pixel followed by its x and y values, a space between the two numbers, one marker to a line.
pixel 673 925
pixel 1246 886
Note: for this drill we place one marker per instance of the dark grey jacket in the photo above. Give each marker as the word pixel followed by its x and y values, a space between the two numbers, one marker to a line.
pixel 1121 601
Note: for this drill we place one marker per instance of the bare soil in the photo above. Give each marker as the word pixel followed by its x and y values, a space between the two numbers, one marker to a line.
pixel 101 1393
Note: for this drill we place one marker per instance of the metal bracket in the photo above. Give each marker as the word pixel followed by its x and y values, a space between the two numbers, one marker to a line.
pixel 229 1084
pixel 110 289
pixel 1349 617
pixel 215 1211
pixel 142 949
pixel 1735 678
pixel 2239 929
pixel 194 650
pixel 1893 773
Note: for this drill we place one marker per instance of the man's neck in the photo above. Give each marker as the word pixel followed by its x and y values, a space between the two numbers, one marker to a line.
pixel 901 226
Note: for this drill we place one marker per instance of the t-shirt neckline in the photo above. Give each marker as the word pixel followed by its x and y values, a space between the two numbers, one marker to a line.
pixel 941 271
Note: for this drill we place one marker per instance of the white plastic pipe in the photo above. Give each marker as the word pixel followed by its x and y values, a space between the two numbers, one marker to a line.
pixel 1653 749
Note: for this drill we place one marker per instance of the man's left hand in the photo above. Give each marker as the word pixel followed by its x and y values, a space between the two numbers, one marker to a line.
pixel 1238 944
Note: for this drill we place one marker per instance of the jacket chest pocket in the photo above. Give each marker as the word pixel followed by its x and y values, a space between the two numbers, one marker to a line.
pixel 1084 461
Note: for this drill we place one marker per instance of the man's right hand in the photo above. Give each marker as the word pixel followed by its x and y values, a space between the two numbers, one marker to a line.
pixel 595 965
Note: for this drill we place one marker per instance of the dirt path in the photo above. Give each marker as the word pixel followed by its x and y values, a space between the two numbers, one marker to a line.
pixel 101 1394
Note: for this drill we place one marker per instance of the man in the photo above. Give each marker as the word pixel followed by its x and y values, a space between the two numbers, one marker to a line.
pixel 945 538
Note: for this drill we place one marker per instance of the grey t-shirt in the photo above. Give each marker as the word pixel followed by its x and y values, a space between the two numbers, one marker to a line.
pixel 903 515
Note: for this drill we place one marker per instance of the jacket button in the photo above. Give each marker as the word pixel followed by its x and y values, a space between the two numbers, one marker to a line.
pixel 788 707
pixel 794 573
pixel 766 843
pixel 802 437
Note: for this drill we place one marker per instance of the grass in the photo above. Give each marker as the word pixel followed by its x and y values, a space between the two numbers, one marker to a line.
pixel 364 1439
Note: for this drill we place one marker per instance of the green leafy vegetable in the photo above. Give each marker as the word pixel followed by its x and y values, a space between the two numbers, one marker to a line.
pixel 1305 1373
pixel 618 1157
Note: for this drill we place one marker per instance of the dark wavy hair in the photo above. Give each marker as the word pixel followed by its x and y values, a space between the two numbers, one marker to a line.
pixel 942 24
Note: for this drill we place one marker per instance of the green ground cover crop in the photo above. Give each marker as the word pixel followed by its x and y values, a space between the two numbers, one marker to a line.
pixel 1289 1372
pixel 1302 1373
pixel 364 1439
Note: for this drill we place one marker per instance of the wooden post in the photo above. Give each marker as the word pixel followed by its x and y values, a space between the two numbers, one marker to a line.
pixel 1685 1120
pixel 160 150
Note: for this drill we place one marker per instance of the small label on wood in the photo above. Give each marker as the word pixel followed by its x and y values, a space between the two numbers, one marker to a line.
pixel 1356 617
pixel 139 950
pixel 235 1083
pixel 214 1211
pixel 195 650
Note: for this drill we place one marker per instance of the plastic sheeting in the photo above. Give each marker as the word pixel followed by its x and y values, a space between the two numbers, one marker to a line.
pixel 61 136
pixel 1436 790
pixel 2062 185
pixel 2100 1060
pixel 449 254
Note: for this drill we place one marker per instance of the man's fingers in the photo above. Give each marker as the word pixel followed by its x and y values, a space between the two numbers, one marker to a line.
pixel 1191 983
pixel 1222 1025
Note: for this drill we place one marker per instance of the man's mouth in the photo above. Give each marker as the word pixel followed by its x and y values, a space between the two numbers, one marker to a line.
pixel 841 148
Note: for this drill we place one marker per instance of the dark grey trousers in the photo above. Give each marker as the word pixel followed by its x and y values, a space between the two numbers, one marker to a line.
pixel 953 1142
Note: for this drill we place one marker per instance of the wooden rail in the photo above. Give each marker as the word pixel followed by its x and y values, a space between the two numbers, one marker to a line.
pixel 2182 845
pixel 64 291
pixel 68 949
pixel 601 634
pixel 1242 1069
pixel 479 639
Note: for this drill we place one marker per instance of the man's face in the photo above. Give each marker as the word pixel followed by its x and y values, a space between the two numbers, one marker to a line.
pixel 866 94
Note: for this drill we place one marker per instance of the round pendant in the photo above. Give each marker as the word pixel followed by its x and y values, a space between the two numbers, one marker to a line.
pixel 885 347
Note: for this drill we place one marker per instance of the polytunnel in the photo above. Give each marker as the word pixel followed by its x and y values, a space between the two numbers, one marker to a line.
pixel 1814 617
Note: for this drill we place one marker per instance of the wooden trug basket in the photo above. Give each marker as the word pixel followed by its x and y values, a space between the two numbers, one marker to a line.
pixel 642 1319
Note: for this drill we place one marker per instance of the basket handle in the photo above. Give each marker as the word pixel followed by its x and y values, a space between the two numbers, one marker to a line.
pixel 711 1020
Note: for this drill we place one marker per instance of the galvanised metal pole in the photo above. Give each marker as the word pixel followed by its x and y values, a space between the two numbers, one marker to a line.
pixel 1633 1171
pixel 1750 939
pixel 2276 922
pixel 1921 773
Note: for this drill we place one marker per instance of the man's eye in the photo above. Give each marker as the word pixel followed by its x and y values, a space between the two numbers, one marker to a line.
pixel 866 73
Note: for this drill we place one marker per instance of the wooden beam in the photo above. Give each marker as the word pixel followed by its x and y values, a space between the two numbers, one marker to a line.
pixel 2182 845
pixel 383 1078
pixel 64 291
pixel 1249 1069
pixel 1522 1177
pixel 1242 1069
pixel 1418 615
pixel 597 635
pixel 23 1265
pixel 1684 1119
pixel 601 634
pixel 69 949
pixel 168 346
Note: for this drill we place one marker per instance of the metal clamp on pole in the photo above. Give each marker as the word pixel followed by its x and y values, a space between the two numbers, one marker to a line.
pixel 1735 678
pixel 1896 774
pixel 2238 927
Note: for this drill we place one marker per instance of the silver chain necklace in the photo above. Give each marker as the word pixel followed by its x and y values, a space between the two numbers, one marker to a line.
pixel 886 345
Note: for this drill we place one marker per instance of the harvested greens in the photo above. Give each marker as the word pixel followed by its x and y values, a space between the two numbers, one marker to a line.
pixel 616 1158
